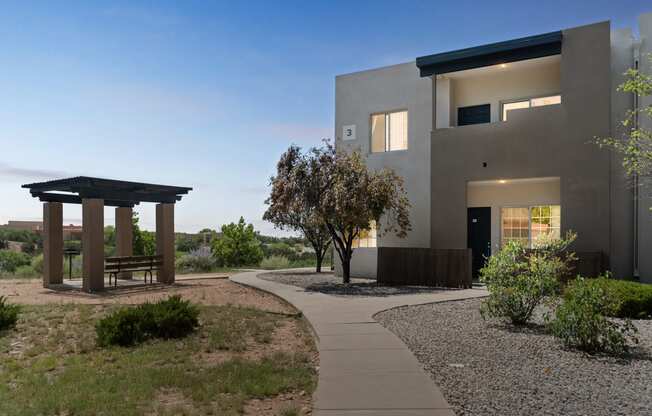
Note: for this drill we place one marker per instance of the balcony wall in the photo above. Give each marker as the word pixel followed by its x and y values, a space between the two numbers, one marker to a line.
pixel 550 141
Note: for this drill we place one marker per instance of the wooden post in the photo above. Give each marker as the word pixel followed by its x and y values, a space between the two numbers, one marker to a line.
pixel 93 244
pixel 124 236
pixel 52 243
pixel 165 242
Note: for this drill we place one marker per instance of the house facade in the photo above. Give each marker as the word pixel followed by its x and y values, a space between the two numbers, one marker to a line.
pixel 494 143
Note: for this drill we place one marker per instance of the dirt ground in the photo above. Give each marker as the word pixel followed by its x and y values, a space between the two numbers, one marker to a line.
pixel 290 336
pixel 204 290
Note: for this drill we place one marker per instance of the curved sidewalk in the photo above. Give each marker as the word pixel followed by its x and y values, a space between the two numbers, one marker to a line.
pixel 364 368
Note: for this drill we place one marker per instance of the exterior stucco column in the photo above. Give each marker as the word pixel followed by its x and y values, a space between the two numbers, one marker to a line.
pixel 52 243
pixel 124 237
pixel 165 242
pixel 93 244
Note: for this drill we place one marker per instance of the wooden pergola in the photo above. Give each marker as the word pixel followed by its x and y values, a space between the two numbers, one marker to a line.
pixel 94 194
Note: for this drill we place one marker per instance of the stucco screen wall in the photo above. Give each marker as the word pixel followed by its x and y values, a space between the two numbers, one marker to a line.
pixel 496 85
pixel 524 193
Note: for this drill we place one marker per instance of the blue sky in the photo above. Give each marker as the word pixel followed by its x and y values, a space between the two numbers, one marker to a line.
pixel 208 94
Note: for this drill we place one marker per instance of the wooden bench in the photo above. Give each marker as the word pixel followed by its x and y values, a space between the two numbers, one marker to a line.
pixel 116 265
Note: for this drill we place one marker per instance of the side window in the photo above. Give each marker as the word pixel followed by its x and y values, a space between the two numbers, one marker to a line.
pixel 389 131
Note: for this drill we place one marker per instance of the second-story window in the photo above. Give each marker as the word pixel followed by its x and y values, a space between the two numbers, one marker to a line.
pixel 531 102
pixel 389 131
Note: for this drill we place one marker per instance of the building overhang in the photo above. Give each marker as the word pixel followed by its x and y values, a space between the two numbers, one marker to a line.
pixel 513 50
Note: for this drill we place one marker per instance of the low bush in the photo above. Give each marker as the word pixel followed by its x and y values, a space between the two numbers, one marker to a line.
pixel 169 318
pixel 629 299
pixel 275 262
pixel 8 314
pixel 197 261
pixel 518 280
pixel 11 260
pixel 581 320
pixel 26 272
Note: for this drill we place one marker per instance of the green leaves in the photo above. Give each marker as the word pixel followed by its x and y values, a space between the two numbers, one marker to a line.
pixel 581 322
pixel 635 142
pixel 238 245
pixel 518 280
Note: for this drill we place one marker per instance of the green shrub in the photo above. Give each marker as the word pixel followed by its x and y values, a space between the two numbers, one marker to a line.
pixel 275 262
pixel 581 322
pixel 8 314
pixel 37 263
pixel 26 272
pixel 11 260
pixel 174 317
pixel 518 280
pixel 169 318
pixel 629 299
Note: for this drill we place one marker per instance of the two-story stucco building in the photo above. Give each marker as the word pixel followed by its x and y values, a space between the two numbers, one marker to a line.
pixel 495 143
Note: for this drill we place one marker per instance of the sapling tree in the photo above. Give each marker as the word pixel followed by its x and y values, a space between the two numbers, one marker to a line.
pixel 635 141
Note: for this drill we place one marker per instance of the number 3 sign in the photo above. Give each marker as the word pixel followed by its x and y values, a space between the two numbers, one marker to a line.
pixel 348 132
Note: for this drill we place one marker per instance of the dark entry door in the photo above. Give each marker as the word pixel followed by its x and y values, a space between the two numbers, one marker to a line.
pixel 479 236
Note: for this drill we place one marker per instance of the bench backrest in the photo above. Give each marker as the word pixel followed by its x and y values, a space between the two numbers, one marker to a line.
pixel 132 262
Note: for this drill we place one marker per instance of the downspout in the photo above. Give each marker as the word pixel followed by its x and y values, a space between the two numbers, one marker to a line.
pixel 637 54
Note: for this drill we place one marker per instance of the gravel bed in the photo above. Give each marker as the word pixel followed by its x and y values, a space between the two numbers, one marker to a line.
pixel 487 368
pixel 328 283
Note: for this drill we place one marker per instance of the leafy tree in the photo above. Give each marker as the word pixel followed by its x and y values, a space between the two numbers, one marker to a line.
pixel 347 198
pixel 635 143
pixel 144 241
pixel 238 245
pixel 293 203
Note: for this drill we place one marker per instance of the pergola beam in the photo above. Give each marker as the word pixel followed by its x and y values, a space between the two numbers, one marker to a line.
pixel 74 199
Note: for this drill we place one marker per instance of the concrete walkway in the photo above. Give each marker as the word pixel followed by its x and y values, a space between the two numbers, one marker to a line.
pixel 364 369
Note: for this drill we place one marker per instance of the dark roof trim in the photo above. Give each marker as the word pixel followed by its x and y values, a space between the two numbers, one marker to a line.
pixel 74 199
pixel 495 53
pixel 118 193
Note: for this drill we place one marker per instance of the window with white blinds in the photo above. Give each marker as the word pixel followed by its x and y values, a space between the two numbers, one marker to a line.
pixel 389 131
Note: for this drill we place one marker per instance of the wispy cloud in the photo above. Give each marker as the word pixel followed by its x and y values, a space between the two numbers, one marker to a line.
pixel 27 173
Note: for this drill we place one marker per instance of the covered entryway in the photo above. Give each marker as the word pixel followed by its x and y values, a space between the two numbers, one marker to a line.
pixel 520 209
pixel 94 194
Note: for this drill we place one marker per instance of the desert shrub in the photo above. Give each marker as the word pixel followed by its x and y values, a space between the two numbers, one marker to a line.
pixel 200 260
pixel 174 317
pixel 11 260
pixel 169 318
pixel 26 272
pixel 518 280
pixel 8 314
pixel 275 262
pixel 37 264
pixel 581 321
pixel 629 299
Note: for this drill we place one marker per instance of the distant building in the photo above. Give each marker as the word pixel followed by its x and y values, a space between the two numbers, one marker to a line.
pixel 70 231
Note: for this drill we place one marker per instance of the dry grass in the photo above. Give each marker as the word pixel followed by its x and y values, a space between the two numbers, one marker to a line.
pixel 242 360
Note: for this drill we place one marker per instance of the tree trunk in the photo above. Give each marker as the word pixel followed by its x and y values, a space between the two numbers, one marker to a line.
pixel 320 258
pixel 346 270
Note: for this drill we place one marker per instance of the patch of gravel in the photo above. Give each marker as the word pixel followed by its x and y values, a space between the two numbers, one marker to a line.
pixel 487 368
pixel 328 283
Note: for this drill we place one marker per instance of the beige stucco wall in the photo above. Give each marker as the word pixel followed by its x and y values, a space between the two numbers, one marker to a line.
pixel 503 85
pixel 397 87
pixel 551 141
pixel 519 193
